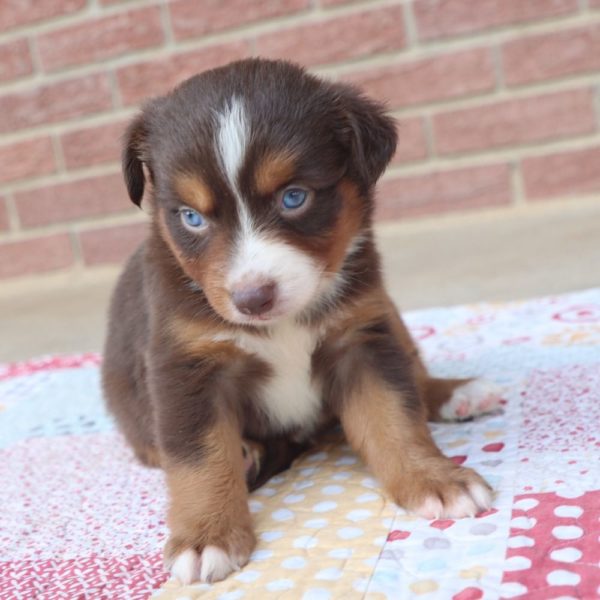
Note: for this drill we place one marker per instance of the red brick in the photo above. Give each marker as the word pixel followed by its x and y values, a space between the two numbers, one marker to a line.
pixel 15 60
pixel 412 144
pixel 552 55
pixel 513 122
pixel 37 255
pixel 155 77
pixel 100 39
pixel 215 15
pixel 432 79
pixel 93 145
pixel 571 173
pixel 54 102
pixel 443 191
pixel 111 244
pixel 84 198
pixel 26 159
pixel 337 38
pixel 4 222
pixel 14 13
pixel 447 18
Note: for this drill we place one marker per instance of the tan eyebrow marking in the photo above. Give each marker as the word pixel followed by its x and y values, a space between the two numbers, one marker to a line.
pixel 273 171
pixel 195 192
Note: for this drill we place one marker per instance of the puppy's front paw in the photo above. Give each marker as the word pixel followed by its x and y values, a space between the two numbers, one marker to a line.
pixel 472 399
pixel 446 491
pixel 208 563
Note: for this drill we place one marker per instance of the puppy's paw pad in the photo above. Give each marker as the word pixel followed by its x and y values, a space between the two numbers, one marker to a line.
pixel 472 399
pixel 212 564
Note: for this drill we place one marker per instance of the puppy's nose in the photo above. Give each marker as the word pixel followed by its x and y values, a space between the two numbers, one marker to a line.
pixel 254 300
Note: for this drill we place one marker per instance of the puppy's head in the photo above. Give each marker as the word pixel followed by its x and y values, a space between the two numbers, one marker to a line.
pixel 261 182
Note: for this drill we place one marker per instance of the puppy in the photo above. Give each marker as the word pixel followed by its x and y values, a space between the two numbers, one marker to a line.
pixel 256 307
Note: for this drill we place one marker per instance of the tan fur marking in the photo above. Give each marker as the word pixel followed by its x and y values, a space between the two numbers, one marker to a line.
pixel 209 502
pixel 195 192
pixel 273 172
pixel 348 225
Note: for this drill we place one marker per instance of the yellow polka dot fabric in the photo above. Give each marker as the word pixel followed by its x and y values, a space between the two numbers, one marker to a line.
pixel 321 527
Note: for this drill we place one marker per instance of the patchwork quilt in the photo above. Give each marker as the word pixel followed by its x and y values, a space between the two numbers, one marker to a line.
pixel 79 518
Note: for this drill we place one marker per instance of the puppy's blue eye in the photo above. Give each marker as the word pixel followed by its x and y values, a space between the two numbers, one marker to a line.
pixel 192 219
pixel 294 198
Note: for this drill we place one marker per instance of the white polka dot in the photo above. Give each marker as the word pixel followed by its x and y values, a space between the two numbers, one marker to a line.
pixel 248 576
pixel 305 541
pixel 360 585
pixel 302 485
pixel 568 511
pixel 368 497
pixel 324 506
pixel 266 491
pixel 316 594
pixel 569 493
pixel 521 541
pixel 523 523
pixel 232 595
pixel 293 498
pixel 342 476
pixel 255 506
pixel 511 589
pixel 517 563
pixel 526 503
pixel 561 577
pixel 317 456
pixel 261 554
pixel 308 471
pixel 380 541
pixel 349 533
pixel 329 574
pixel 283 514
pixel 369 482
pixel 271 536
pixel 279 585
pixel 316 523
pixel 332 490
pixel 371 562
pixel 567 532
pixel 387 522
pixel 358 515
pixel 566 555
pixel 341 553
pixel 346 460
pixel 278 479
pixel 294 562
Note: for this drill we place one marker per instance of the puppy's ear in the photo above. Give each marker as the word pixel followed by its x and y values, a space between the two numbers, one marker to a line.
pixel 369 132
pixel 133 157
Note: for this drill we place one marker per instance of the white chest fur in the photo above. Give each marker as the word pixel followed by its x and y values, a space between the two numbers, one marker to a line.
pixel 289 396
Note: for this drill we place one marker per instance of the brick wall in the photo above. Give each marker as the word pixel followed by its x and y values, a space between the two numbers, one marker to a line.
pixel 498 102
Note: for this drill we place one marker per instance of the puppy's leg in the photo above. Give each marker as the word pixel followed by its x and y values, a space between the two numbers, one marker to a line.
pixel 211 528
pixel 395 442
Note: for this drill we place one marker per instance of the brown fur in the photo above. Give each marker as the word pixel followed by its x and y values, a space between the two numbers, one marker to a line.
pixel 182 385
pixel 210 503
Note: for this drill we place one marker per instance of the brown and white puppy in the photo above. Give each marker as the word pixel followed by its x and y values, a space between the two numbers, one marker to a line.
pixel 256 308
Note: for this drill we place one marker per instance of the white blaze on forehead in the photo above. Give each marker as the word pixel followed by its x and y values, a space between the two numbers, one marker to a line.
pixel 233 136
pixel 260 258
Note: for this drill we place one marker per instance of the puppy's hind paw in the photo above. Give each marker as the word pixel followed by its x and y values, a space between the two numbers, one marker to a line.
pixel 472 399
